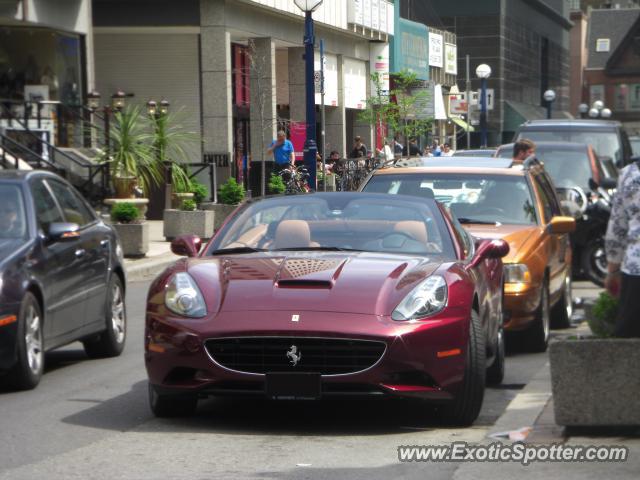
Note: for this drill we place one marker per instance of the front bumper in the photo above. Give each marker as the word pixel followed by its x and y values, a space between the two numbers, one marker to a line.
pixel 422 359
pixel 520 304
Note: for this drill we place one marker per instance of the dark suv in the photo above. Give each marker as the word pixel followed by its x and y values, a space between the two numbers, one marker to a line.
pixel 608 138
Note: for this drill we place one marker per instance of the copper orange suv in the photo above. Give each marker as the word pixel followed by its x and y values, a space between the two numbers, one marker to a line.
pixel 493 198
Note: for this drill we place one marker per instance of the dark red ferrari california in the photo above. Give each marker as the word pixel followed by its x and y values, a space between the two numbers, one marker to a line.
pixel 303 297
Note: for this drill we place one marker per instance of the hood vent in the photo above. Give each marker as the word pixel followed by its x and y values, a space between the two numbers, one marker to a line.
pixel 301 283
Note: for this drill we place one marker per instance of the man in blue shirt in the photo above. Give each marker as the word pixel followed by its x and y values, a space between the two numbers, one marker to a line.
pixel 283 153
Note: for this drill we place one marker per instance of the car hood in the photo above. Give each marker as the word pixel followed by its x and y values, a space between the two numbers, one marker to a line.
pixel 366 283
pixel 521 239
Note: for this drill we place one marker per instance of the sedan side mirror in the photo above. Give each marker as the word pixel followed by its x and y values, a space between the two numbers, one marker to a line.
pixel 561 225
pixel 187 246
pixel 496 248
pixel 62 231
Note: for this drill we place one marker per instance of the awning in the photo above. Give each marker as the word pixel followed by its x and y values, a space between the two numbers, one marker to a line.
pixel 462 124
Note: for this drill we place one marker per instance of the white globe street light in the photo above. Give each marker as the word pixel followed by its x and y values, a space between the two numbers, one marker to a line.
pixel 606 113
pixel 598 105
pixel 549 96
pixel 594 112
pixel 308 5
pixel 483 71
pixel 583 109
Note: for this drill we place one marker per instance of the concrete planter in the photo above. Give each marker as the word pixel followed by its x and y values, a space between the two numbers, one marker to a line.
pixel 180 222
pixel 221 212
pixel 178 199
pixel 595 381
pixel 134 238
pixel 140 203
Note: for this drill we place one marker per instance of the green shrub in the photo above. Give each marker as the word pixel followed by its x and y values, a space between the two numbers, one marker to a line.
pixel 276 185
pixel 124 212
pixel 231 193
pixel 188 205
pixel 200 192
pixel 604 312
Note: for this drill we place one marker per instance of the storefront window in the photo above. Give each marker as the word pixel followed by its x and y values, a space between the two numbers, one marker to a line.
pixel 40 64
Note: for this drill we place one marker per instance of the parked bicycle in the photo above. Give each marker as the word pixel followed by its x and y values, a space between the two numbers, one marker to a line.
pixel 295 180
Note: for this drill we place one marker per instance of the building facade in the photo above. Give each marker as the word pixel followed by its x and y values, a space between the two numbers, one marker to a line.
pixel 612 73
pixel 526 44
pixel 237 67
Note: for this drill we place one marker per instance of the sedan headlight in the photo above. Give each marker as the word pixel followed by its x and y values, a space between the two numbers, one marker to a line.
pixel 427 299
pixel 182 296
pixel 516 273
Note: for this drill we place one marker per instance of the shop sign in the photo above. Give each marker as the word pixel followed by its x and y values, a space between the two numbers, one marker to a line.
pixel 436 51
pixel 450 58
pixel 411 48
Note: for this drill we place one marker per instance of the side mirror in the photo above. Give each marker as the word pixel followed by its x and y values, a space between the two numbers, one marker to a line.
pixel 562 225
pixel 63 231
pixel 496 248
pixel 187 246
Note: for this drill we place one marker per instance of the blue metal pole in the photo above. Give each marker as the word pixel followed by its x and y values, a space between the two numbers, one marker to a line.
pixel 483 113
pixel 310 146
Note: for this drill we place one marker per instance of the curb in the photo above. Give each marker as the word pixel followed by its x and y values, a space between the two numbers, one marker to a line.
pixel 148 267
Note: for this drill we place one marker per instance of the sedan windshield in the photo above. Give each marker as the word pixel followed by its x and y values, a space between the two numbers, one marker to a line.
pixel 13 222
pixel 336 222
pixel 473 198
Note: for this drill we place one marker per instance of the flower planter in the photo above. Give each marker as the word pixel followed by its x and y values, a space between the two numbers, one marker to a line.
pixel 134 238
pixel 181 222
pixel 595 381
pixel 221 212
pixel 140 203
pixel 178 199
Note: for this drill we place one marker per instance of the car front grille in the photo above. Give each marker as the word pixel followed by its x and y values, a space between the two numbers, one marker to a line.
pixel 327 356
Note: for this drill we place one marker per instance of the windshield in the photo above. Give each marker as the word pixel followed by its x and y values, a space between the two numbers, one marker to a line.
pixel 473 198
pixel 349 222
pixel 605 143
pixel 13 223
pixel 635 145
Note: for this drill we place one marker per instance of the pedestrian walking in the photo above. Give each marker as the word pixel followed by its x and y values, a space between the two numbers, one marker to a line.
pixel 386 154
pixel 622 244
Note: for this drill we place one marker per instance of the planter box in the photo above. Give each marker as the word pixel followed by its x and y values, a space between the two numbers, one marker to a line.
pixel 140 203
pixel 179 222
pixel 134 238
pixel 221 212
pixel 595 381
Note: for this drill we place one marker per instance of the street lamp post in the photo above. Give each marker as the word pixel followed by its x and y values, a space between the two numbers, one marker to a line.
pixel 549 97
pixel 583 109
pixel 483 72
pixel 310 145
pixel 156 113
pixel 118 100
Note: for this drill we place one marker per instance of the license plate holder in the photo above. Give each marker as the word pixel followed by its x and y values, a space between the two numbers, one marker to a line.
pixel 293 386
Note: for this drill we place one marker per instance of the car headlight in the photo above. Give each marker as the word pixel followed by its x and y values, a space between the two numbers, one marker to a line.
pixel 427 299
pixel 516 273
pixel 182 296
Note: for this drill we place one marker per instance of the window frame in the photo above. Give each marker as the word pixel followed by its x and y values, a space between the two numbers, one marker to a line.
pixel 93 218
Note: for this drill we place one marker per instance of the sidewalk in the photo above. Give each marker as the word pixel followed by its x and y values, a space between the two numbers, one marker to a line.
pixel 531 412
pixel 158 257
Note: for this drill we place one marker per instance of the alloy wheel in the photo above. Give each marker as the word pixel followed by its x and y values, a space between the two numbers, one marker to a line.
pixel 33 340
pixel 118 319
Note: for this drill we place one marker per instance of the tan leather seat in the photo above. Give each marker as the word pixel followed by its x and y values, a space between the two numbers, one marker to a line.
pixel 417 230
pixel 293 234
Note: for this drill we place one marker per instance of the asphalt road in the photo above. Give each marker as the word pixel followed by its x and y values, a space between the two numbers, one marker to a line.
pixel 90 419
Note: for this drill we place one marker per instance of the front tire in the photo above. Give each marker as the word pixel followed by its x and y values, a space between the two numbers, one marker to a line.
pixel 594 261
pixel 563 310
pixel 165 406
pixel 465 408
pixel 537 336
pixel 111 341
pixel 495 373
pixel 27 372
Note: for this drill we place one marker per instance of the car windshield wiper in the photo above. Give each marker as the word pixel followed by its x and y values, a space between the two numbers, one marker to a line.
pixel 227 251
pixel 466 221
pixel 316 249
